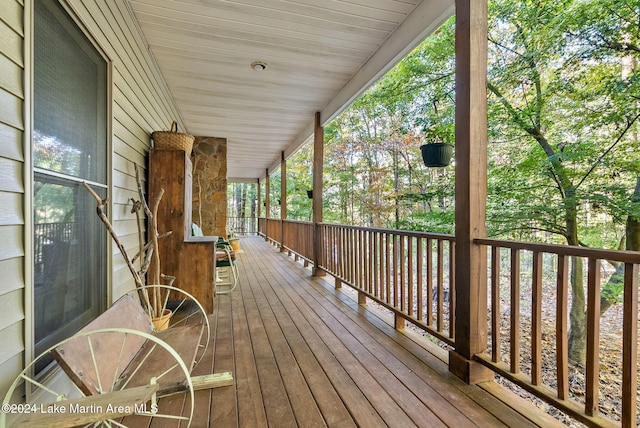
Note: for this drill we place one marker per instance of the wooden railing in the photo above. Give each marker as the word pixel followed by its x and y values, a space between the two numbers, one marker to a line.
pixel 543 270
pixel 243 226
pixel 297 237
pixel 409 273
pixel 412 274
pixel 272 230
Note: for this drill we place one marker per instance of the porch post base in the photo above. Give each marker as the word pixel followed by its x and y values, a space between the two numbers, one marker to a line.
pixel 362 298
pixel 469 371
pixel 319 272
pixel 399 322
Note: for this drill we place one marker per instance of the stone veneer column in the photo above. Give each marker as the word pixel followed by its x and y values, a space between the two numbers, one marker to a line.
pixel 209 205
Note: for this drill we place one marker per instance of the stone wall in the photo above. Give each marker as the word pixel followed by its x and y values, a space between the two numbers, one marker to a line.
pixel 209 206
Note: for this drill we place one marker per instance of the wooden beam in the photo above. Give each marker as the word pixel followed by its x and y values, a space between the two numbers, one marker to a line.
pixel 214 380
pixel 283 198
pixel 267 197
pixel 318 167
pixel 283 187
pixel 471 188
pixel 259 198
pixel 630 346
pixel 562 303
pixel 592 366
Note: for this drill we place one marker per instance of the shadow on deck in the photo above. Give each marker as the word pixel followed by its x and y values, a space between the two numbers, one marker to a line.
pixel 306 355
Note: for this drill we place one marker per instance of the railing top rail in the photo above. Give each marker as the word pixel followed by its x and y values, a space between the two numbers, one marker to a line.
pixel 566 250
pixel 298 222
pixel 441 236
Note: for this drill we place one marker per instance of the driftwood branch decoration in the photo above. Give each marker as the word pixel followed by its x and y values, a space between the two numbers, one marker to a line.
pixel 148 251
pixel 152 251
pixel 103 217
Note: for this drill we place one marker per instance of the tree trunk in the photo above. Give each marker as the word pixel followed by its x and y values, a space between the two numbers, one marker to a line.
pixel 633 223
pixel 612 290
pixel 242 212
pixel 577 342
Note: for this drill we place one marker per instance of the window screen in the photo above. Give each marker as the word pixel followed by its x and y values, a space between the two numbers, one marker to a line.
pixel 69 146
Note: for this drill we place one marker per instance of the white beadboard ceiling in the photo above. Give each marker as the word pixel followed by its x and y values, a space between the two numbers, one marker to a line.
pixel 320 55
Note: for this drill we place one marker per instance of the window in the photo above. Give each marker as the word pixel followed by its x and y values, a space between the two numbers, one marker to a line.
pixel 69 146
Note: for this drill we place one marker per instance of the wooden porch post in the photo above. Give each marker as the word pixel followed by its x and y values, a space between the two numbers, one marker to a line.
pixel 267 197
pixel 283 198
pixel 318 166
pixel 259 199
pixel 267 205
pixel 471 190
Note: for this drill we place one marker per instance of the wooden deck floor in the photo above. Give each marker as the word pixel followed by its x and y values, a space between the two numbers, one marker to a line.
pixel 305 355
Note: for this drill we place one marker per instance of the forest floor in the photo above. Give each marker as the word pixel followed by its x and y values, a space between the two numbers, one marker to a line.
pixel 610 382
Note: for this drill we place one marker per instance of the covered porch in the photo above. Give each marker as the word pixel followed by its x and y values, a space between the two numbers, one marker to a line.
pixel 304 353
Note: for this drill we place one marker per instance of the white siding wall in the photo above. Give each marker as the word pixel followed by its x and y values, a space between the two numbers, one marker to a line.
pixel 12 187
pixel 140 104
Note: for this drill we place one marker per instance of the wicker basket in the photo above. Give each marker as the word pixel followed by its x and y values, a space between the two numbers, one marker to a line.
pixel 173 140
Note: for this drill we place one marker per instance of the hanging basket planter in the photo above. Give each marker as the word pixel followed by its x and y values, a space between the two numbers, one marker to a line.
pixel 437 154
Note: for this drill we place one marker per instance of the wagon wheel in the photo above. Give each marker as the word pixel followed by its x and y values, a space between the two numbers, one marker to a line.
pixel 185 310
pixel 61 389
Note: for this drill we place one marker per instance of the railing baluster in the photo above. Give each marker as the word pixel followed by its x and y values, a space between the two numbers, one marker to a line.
pixel 630 346
pixel 536 319
pixel 410 284
pixel 380 261
pixel 366 284
pixel 362 265
pixel 387 267
pixel 495 304
pixel 429 282
pixel 440 285
pixel 593 338
pixel 357 259
pixel 419 279
pixel 343 254
pixel 395 271
pixel 402 285
pixel 370 281
pixel 452 289
pixel 352 257
pixel 515 311
pixel 562 331
pixel 373 263
pixel 362 260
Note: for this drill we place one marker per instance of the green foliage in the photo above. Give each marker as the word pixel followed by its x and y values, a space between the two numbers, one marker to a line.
pixel 562 113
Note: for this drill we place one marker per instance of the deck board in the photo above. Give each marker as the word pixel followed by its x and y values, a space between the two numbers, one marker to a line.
pixel 303 354
pixel 298 392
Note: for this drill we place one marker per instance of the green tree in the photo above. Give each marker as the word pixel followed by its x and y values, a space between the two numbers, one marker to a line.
pixel 551 91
